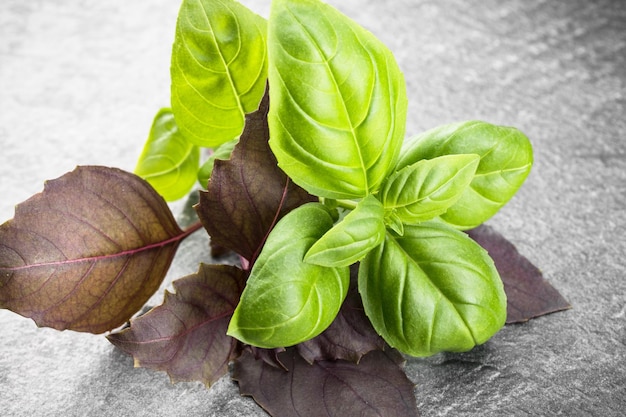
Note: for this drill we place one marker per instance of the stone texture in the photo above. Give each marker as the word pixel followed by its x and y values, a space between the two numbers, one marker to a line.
pixel 80 82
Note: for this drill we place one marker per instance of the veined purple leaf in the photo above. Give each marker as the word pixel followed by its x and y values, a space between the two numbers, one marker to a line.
pixel 186 335
pixel 248 194
pixel 377 386
pixel 269 356
pixel 529 295
pixel 87 252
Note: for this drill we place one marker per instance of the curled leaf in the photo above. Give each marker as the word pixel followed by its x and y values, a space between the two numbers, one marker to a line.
pixel 338 100
pixel 377 386
pixel 506 157
pixel 432 289
pixel 286 300
pixel 87 252
pixel 269 356
pixel 168 161
pixel 350 335
pixel 186 335
pixel 219 69
pixel 349 240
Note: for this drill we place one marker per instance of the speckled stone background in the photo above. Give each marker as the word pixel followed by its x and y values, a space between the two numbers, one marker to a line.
pixel 80 82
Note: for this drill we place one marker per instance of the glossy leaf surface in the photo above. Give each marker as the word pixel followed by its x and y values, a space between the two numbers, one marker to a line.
pixel 377 386
pixel 169 162
pixel 529 295
pixel 338 100
pixel 186 335
pixel 218 70
pixel 506 157
pixel 432 289
pixel 350 335
pixel 87 252
pixel 248 193
pixel 427 188
pixel 287 301
pixel 349 240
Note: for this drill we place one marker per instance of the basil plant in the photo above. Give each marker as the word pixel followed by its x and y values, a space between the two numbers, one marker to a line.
pixel 395 207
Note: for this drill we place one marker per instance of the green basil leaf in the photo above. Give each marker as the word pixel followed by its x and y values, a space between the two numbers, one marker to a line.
pixel 394 222
pixel 429 187
pixel 352 238
pixel 286 300
pixel 168 161
pixel 339 102
pixel 222 152
pixel 506 157
pixel 432 289
pixel 218 70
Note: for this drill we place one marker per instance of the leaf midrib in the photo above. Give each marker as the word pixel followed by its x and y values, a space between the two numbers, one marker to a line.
pixel 229 77
pixel 351 129
pixel 99 258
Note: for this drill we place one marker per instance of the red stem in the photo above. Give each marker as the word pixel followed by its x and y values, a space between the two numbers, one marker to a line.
pixel 178 238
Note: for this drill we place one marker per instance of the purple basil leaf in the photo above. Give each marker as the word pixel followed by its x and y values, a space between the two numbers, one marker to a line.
pixel 248 193
pixel 186 335
pixel 529 294
pixel 349 337
pixel 377 386
pixel 87 252
pixel 269 356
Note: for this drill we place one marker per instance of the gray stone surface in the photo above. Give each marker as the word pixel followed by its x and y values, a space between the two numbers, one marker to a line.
pixel 80 82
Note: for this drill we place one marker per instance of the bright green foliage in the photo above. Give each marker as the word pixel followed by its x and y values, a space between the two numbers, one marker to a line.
pixel 219 69
pixel 287 301
pixel 335 125
pixel 221 152
pixel 506 157
pixel 338 100
pixel 336 119
pixel 429 187
pixel 432 289
pixel 168 161
pixel 352 238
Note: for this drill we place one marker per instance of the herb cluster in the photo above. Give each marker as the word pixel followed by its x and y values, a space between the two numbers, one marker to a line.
pixel 336 120
pixel 352 239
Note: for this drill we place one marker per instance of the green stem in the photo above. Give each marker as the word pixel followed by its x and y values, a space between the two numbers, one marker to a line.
pixel 347 204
